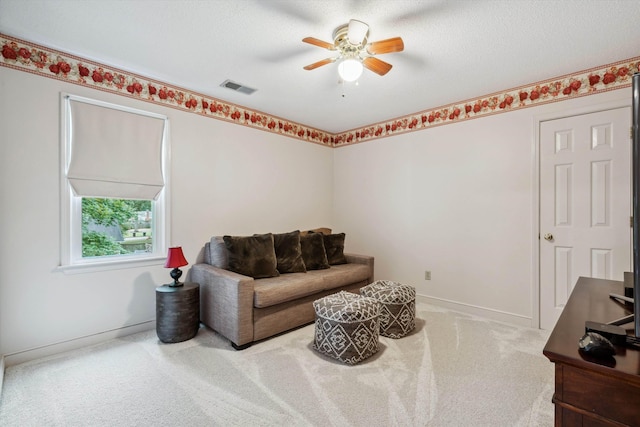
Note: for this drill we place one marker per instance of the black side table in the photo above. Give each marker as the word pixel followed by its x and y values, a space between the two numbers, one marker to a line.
pixel 177 312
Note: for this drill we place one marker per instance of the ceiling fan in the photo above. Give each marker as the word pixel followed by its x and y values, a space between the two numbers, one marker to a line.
pixel 350 42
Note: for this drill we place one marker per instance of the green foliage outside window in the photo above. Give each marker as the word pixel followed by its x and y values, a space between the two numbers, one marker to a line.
pixel 121 217
pixel 100 244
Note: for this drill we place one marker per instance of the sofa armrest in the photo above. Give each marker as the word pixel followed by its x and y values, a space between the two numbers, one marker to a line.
pixel 226 302
pixel 361 259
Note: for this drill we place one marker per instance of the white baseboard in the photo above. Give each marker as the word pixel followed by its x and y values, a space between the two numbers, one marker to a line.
pixel 1 374
pixel 73 344
pixel 488 313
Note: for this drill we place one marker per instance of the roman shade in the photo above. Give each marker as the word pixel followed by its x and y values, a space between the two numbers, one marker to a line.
pixel 115 153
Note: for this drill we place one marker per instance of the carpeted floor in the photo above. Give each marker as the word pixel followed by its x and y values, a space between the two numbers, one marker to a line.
pixel 453 370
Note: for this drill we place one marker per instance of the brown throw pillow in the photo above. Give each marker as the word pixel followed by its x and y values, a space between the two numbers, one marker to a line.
pixel 313 253
pixel 253 256
pixel 289 252
pixel 323 230
pixel 334 247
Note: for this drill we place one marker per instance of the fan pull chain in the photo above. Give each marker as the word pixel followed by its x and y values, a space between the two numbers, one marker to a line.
pixel 356 83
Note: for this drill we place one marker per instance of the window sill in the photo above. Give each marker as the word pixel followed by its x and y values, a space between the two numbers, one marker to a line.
pixel 111 264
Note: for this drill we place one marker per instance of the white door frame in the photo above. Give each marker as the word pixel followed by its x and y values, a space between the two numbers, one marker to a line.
pixel 535 238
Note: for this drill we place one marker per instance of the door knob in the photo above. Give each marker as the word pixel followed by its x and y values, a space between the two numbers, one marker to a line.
pixel 548 237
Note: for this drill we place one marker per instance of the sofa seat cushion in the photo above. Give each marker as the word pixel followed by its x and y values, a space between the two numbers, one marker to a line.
pixel 345 274
pixel 288 287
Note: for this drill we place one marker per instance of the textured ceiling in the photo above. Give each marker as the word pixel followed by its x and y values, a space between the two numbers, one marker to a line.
pixel 454 49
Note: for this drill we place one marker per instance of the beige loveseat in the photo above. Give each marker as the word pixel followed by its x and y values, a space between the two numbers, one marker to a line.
pixel 245 309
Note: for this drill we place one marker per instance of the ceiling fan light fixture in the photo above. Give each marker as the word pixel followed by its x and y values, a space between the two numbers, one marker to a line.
pixel 350 69
pixel 357 32
pixel 354 51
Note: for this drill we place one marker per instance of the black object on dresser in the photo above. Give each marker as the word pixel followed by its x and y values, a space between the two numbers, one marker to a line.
pixel 177 312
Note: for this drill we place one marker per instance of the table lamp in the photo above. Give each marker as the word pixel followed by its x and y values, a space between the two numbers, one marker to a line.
pixel 175 259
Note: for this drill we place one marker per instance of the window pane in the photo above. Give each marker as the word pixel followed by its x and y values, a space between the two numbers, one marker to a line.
pixel 112 227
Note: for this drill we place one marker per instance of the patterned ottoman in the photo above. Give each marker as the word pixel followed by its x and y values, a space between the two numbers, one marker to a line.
pixel 397 306
pixel 347 327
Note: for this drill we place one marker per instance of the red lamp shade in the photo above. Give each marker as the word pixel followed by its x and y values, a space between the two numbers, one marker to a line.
pixel 175 259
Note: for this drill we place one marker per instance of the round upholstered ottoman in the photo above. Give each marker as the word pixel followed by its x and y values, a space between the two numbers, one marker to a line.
pixel 347 327
pixel 397 306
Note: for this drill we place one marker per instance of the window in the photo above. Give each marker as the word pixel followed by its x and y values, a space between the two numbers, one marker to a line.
pixel 116 227
pixel 114 187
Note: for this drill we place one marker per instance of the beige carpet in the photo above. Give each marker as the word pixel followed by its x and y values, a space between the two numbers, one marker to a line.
pixel 453 370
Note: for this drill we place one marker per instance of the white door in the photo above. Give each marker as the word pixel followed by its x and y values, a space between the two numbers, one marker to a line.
pixel 585 204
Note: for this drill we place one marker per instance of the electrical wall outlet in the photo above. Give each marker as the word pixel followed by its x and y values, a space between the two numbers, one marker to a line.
pixel 427 275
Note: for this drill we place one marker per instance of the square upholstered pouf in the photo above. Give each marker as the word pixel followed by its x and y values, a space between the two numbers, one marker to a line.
pixel 397 306
pixel 347 327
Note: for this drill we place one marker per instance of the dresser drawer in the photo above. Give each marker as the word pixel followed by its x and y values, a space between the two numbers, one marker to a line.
pixel 598 394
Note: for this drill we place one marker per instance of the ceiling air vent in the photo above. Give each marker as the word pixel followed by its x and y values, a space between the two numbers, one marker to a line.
pixel 237 87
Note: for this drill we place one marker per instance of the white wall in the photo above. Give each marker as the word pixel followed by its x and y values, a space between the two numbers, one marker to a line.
pixel 226 179
pixel 457 200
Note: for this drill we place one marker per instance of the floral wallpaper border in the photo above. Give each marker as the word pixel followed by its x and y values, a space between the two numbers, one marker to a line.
pixel 595 80
pixel 36 59
pixel 26 56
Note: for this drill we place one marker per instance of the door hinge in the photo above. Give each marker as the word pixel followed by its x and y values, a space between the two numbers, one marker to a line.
pixel 631 221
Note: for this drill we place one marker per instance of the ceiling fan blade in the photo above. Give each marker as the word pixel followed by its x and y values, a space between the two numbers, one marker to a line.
pixel 357 31
pixel 394 44
pixel 376 65
pixel 319 64
pixel 319 43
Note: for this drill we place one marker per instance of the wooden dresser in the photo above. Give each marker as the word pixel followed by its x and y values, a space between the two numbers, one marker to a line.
pixel 592 392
